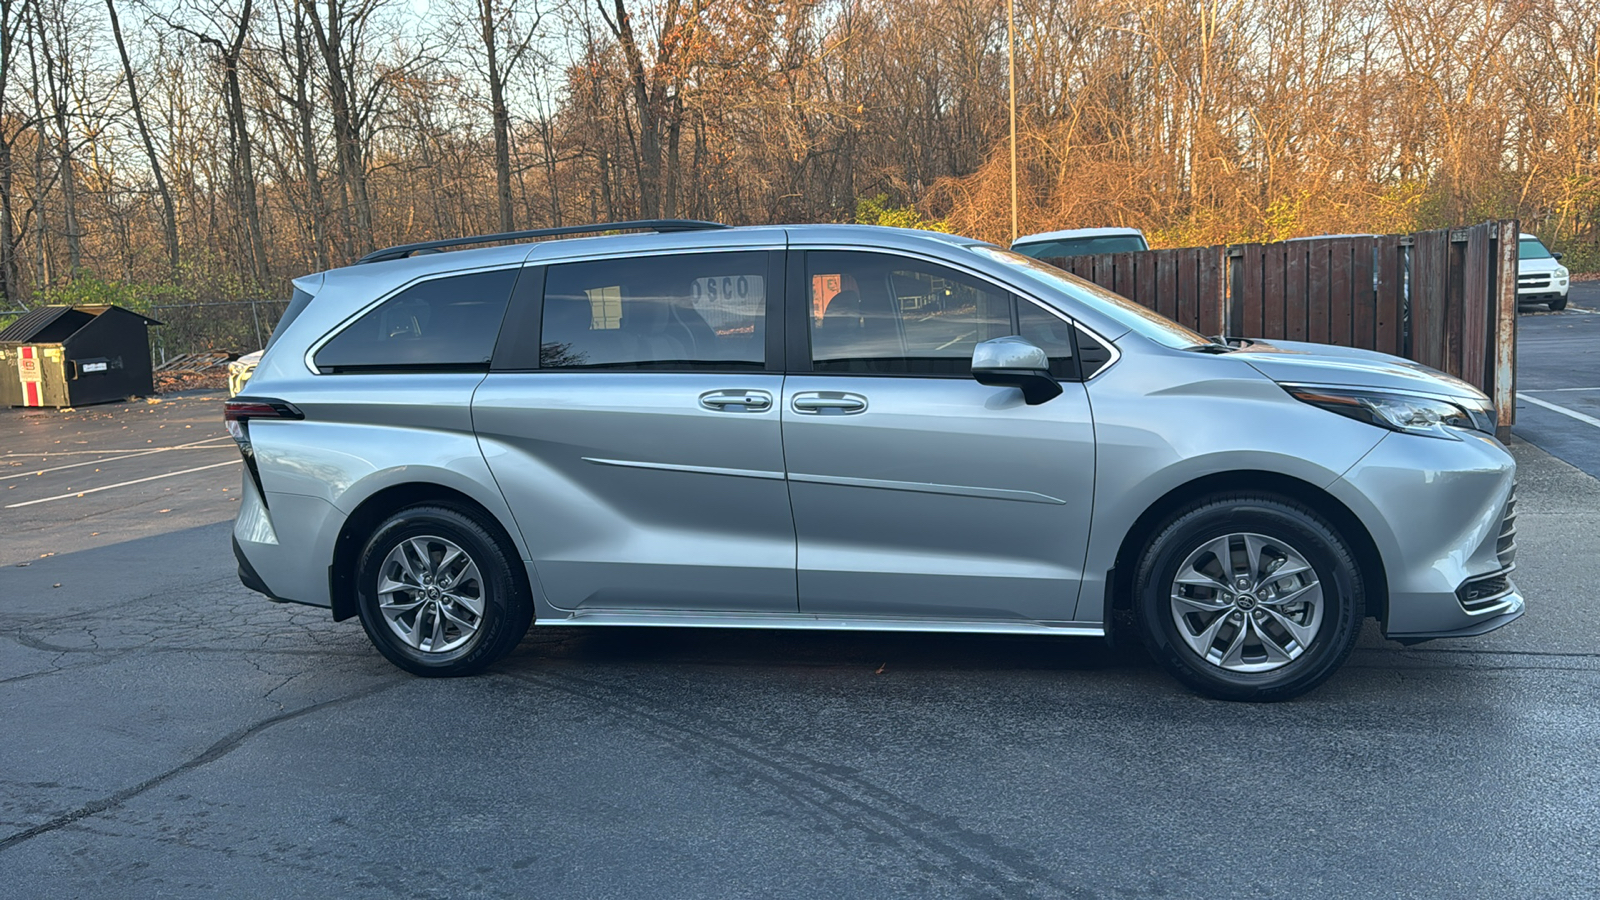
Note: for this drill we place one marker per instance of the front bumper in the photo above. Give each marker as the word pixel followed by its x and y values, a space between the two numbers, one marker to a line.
pixel 1442 514
pixel 1555 289
pixel 1473 630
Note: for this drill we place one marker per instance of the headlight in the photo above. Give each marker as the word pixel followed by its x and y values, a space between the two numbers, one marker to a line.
pixel 1408 413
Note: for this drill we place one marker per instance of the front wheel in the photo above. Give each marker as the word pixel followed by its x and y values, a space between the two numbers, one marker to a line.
pixel 1558 304
pixel 437 594
pixel 1249 597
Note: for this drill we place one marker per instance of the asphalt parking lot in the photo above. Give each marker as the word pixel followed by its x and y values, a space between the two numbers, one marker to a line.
pixel 166 732
pixel 1558 379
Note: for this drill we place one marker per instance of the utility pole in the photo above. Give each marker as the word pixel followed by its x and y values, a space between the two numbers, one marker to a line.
pixel 1011 80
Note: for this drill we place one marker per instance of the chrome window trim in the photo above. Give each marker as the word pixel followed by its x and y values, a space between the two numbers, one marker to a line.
pixel 763 246
pixel 317 345
pixel 1116 353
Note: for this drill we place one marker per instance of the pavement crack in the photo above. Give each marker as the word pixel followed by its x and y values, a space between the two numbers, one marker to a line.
pixel 211 754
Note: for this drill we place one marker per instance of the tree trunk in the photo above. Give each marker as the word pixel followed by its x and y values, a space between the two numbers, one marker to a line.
pixel 502 119
pixel 10 275
pixel 346 131
pixel 649 174
pixel 57 80
pixel 169 215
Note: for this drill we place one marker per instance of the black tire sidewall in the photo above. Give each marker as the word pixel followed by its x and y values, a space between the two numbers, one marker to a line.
pixel 507 610
pixel 1305 531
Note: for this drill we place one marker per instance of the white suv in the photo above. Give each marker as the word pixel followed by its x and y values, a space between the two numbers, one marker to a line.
pixel 1541 278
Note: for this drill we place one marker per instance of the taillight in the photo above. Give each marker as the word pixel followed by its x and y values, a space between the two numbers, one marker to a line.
pixel 237 413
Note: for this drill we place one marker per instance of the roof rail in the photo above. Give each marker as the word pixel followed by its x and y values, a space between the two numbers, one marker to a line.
pixel 401 251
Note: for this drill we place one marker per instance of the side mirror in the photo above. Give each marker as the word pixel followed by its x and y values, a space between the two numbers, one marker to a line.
pixel 1557 256
pixel 1014 362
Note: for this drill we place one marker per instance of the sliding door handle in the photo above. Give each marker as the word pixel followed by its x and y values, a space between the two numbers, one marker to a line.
pixel 828 402
pixel 736 401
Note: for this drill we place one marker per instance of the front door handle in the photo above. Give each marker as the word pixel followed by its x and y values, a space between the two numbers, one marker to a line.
pixel 828 402
pixel 736 401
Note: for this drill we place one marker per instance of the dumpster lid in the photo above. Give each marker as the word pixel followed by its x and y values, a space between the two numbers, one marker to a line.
pixel 47 325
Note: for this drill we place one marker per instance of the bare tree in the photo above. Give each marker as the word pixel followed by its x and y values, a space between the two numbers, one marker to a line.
pixel 169 215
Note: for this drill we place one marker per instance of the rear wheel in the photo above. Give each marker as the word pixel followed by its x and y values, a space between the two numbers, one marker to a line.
pixel 437 594
pixel 1249 598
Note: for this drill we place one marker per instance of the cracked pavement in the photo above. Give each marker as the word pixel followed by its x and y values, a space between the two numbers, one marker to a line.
pixel 166 732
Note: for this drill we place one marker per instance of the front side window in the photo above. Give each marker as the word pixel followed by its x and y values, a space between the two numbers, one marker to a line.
pixel 675 312
pixel 442 323
pixel 879 314
pixel 1051 334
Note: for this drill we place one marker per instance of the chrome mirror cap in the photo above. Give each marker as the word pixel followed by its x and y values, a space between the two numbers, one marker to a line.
pixel 1009 353
pixel 1014 362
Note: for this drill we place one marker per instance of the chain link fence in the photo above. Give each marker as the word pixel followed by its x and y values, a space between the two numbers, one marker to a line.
pixel 238 326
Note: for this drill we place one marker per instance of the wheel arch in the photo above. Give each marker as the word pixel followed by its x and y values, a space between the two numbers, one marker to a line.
pixel 1349 525
pixel 382 504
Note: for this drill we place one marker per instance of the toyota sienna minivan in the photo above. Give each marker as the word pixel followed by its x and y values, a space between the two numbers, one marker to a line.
pixel 856 428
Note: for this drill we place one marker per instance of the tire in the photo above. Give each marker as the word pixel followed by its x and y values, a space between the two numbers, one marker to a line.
pixel 1558 304
pixel 428 611
pixel 1302 624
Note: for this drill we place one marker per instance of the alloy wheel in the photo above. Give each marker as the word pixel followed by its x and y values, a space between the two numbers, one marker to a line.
pixel 1247 602
pixel 431 594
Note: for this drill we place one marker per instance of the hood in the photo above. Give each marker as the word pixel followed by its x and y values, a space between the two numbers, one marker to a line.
pixel 1537 266
pixel 1297 362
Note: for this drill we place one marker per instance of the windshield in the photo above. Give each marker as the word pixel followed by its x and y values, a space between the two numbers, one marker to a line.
pixel 1083 246
pixel 1146 322
pixel 1530 248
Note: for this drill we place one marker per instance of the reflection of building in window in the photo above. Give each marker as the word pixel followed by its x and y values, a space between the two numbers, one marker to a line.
pixel 824 288
pixel 605 305
pixel 730 304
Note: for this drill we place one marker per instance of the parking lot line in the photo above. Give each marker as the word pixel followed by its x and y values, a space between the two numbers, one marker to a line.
pixel 1581 417
pixel 196 445
pixel 108 487
pixel 1553 390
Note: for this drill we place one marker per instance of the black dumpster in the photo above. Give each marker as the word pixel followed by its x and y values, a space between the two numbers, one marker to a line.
pixel 75 355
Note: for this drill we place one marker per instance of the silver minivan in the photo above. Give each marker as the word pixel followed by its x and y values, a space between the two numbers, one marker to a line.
pixel 849 427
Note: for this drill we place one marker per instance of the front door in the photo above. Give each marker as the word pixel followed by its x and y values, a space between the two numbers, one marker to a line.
pixel 917 491
pixel 643 458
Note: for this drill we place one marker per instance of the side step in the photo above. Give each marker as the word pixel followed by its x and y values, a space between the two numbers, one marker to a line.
pixel 699 619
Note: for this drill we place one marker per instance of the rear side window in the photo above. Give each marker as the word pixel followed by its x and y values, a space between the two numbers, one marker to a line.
pixel 688 311
pixel 443 322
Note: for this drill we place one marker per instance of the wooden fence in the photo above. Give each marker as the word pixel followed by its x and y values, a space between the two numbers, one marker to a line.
pixel 1447 298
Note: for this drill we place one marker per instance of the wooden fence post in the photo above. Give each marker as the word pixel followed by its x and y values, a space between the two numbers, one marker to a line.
pixel 1505 330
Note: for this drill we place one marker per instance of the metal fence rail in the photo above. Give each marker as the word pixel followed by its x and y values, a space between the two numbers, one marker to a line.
pixel 239 326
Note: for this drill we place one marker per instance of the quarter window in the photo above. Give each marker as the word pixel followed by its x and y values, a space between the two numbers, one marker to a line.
pixel 681 311
pixel 443 322
pixel 889 315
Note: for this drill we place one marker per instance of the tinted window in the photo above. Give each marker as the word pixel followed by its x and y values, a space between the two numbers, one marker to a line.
pixel 1084 246
pixel 442 322
pixel 682 311
pixel 890 315
pixel 1528 248
pixel 297 305
pixel 1092 354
